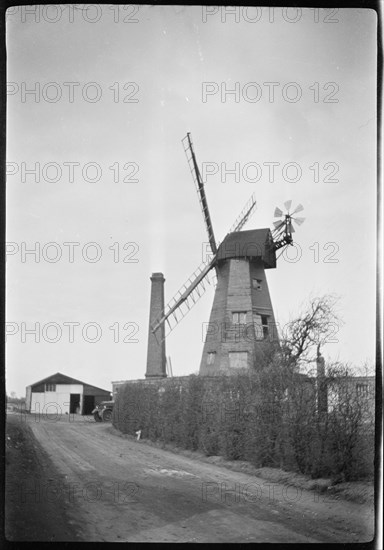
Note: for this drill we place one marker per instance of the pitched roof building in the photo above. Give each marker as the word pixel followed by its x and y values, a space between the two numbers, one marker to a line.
pixel 62 394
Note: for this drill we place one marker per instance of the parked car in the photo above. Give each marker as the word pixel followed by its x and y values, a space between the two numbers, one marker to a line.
pixel 103 411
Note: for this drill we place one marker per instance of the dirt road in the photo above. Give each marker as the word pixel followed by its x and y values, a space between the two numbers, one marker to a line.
pixel 117 489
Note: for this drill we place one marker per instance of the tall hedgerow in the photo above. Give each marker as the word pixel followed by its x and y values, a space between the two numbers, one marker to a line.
pixel 268 418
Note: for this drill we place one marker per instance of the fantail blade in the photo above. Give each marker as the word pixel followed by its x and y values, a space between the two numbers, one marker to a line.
pixel 287 205
pixel 278 224
pixel 298 208
pixel 278 212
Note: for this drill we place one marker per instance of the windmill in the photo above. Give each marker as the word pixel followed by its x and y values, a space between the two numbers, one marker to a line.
pixel 242 318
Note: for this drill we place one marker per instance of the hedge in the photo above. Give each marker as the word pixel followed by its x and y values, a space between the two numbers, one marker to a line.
pixel 249 416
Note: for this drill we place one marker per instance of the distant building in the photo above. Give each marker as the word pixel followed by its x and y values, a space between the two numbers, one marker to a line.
pixel 333 392
pixel 352 389
pixel 62 394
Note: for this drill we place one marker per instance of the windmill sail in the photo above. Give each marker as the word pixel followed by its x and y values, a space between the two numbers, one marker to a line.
pixel 192 163
pixel 185 298
pixel 194 287
pixel 244 215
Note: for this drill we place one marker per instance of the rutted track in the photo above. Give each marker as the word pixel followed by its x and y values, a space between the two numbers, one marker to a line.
pixel 118 489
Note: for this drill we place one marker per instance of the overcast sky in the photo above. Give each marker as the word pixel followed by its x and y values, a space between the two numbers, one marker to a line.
pixel 304 99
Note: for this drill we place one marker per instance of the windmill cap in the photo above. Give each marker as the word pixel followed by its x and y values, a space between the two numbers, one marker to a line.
pixel 157 275
pixel 255 243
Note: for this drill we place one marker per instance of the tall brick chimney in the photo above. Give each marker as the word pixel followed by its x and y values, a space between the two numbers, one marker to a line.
pixel 156 344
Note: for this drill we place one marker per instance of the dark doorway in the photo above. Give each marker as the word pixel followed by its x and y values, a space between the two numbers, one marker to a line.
pixel 88 404
pixel 74 403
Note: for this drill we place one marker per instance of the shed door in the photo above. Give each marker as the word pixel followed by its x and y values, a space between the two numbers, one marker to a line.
pixel 89 404
pixel 74 403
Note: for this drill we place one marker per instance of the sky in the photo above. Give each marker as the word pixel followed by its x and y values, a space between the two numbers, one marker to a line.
pixel 280 103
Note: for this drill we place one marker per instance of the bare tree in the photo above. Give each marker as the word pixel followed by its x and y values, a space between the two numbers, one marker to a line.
pixel 309 331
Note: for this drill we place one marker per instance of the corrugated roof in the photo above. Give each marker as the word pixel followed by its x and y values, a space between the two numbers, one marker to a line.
pixel 60 378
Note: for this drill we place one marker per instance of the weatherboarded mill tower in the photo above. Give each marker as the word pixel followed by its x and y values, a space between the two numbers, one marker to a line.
pixel 242 322
pixel 242 317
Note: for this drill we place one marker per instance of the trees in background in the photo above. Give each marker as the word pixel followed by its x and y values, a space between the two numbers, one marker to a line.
pixel 307 333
